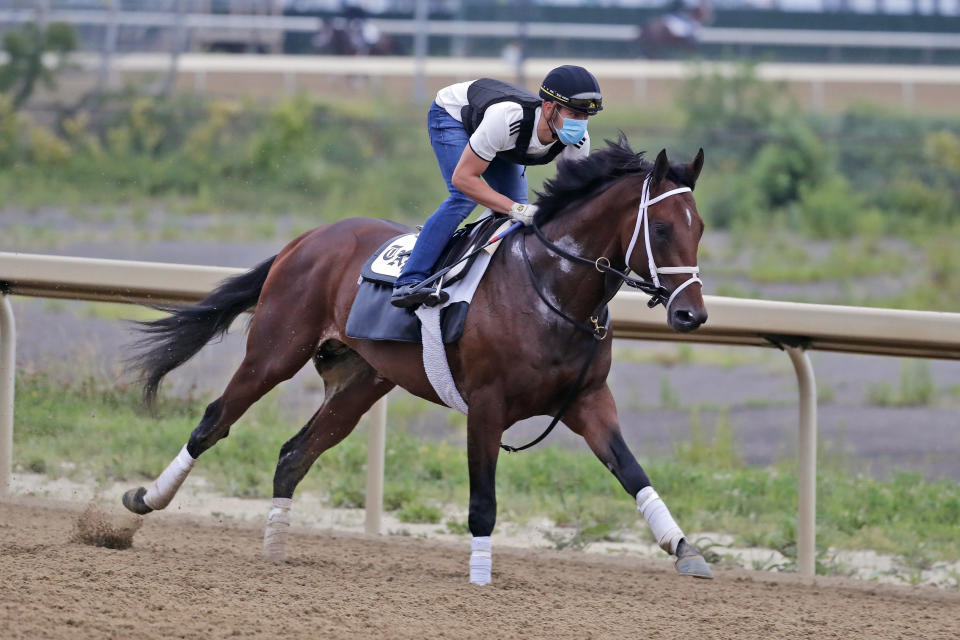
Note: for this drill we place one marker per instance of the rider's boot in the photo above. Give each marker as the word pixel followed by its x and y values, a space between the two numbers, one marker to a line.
pixel 405 296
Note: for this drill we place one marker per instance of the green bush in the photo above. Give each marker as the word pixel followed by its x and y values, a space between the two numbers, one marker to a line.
pixel 794 161
pixel 730 112
pixel 10 145
pixel 830 209
pixel 727 198
pixel 27 52
pixel 420 512
pixel 911 202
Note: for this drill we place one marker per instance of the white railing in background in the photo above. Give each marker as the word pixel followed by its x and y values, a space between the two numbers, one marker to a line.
pixel 292 73
pixel 406 66
pixel 794 327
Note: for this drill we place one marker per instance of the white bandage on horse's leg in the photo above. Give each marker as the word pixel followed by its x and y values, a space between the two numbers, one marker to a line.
pixel 480 560
pixel 275 533
pixel 163 489
pixel 664 527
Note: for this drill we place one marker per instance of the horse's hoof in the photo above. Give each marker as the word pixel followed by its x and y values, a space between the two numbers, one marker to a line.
pixel 690 562
pixel 133 500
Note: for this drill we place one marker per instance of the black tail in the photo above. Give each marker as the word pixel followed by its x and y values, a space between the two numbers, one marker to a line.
pixel 171 341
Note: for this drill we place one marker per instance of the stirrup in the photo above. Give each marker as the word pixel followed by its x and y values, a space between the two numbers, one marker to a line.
pixel 436 298
pixel 404 298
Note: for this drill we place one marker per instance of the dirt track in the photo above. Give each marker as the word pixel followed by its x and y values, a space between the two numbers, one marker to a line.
pixel 194 578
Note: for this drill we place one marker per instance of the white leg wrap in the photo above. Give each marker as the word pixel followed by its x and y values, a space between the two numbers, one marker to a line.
pixel 165 487
pixel 664 527
pixel 278 526
pixel 480 560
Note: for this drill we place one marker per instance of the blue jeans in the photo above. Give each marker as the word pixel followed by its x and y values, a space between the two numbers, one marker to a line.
pixel 448 139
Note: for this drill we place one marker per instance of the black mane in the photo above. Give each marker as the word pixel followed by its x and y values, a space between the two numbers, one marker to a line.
pixel 577 179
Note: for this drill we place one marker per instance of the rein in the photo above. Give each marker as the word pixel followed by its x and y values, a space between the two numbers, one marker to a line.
pixel 614 279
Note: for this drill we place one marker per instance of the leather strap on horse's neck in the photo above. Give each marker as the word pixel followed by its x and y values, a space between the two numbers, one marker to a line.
pixel 594 330
pixel 600 320
pixel 657 293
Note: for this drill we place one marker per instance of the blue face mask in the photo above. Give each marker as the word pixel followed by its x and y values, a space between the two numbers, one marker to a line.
pixel 572 131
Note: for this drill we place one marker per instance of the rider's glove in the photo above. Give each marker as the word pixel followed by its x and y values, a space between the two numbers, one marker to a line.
pixel 523 213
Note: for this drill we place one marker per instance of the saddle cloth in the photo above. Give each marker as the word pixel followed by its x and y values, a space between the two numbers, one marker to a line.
pixel 372 317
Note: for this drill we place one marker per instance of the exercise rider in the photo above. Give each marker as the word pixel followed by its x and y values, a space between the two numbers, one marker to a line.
pixel 484 133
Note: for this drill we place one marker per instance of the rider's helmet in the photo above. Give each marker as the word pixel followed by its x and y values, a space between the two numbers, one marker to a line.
pixel 573 87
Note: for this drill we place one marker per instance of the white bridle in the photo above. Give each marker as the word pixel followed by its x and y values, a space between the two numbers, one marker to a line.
pixel 642 221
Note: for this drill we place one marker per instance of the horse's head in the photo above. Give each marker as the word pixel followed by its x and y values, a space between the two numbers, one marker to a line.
pixel 661 237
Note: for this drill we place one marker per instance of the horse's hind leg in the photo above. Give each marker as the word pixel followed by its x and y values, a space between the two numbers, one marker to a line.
pixel 594 416
pixel 266 364
pixel 351 386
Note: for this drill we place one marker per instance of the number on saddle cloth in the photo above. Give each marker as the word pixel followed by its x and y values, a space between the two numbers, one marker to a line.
pixel 372 317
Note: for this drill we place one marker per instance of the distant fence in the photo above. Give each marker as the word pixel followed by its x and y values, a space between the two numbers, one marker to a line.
pixel 647 81
pixel 792 327
pixel 498 29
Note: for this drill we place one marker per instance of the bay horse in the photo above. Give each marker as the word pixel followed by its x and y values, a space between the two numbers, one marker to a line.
pixel 677 30
pixel 532 343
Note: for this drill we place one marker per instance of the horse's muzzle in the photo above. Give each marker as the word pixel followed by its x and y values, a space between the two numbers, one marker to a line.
pixel 685 320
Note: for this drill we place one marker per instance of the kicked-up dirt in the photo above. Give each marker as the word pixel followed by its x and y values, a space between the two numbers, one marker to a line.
pixel 189 578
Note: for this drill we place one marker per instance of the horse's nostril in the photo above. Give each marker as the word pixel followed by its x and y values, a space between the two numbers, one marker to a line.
pixel 684 316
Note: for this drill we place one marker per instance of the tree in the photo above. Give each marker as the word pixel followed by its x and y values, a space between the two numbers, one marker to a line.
pixel 25 66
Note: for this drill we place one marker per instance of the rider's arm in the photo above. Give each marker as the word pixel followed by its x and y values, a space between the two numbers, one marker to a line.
pixel 466 178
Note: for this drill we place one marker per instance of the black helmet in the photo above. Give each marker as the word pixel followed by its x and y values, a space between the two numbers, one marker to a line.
pixel 573 87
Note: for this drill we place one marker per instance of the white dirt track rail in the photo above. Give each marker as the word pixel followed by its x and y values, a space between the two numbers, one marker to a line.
pixel 794 327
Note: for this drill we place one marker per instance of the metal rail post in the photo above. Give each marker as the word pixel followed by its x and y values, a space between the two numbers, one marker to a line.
pixel 8 361
pixel 421 47
pixel 376 446
pixel 806 463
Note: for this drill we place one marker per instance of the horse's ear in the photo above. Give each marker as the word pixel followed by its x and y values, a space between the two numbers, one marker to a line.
pixel 695 168
pixel 660 167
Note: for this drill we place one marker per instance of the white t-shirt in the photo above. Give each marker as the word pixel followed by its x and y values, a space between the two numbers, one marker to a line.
pixel 500 127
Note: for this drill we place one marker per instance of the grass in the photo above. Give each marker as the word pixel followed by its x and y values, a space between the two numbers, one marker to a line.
pixel 916 388
pixel 165 222
pixel 724 357
pixel 784 261
pixel 83 429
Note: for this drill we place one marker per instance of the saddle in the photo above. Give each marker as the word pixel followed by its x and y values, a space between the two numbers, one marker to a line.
pixel 372 317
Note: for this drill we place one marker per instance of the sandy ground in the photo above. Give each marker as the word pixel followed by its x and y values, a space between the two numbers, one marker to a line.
pixel 312 513
pixel 184 578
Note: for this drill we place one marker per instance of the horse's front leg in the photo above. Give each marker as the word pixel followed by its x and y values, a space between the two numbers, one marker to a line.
pixel 483 447
pixel 594 416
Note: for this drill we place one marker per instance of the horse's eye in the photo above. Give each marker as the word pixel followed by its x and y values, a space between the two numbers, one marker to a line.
pixel 661 231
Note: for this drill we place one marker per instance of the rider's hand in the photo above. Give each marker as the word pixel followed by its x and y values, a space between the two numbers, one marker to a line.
pixel 523 213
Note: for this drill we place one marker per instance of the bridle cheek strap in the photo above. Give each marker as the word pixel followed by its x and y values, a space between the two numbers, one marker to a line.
pixel 643 222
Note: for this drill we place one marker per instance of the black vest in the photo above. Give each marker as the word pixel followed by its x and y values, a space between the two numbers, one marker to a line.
pixel 487 91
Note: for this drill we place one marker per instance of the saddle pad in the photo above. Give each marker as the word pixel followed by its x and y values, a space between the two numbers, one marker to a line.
pixel 372 317
pixel 386 264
